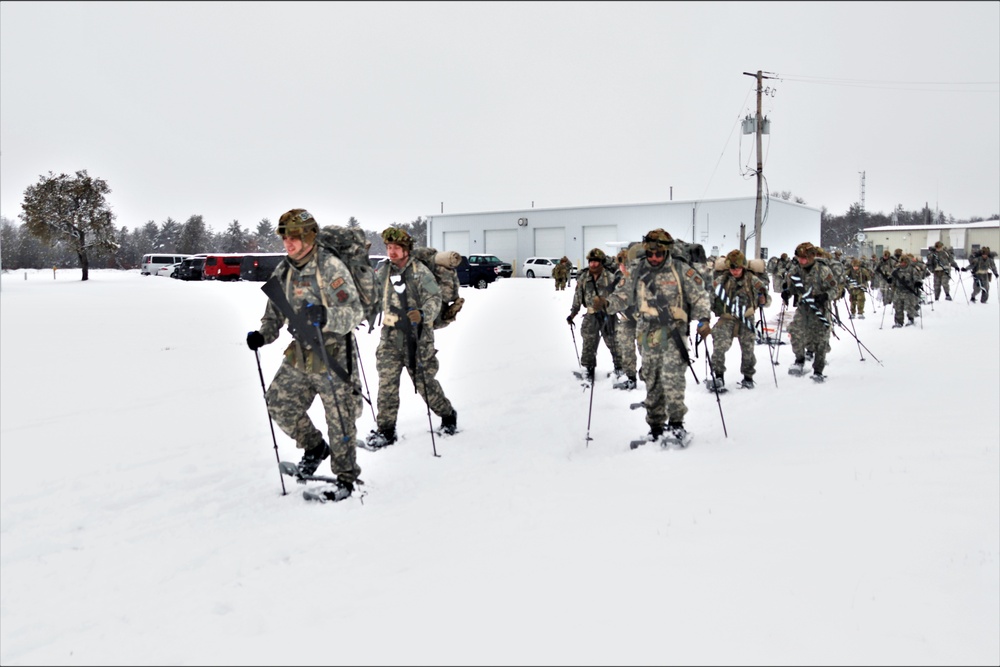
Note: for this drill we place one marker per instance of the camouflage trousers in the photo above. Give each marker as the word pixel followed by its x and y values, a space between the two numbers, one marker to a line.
pixel 905 302
pixel 561 284
pixel 725 330
pixel 857 301
pixel 390 359
pixel 290 395
pixel 942 279
pixel 663 371
pixel 808 332
pixel 981 283
pixel 594 329
pixel 625 343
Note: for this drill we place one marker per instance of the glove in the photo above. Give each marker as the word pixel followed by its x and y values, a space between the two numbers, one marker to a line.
pixel 254 340
pixel 820 300
pixel 704 330
pixel 315 315
pixel 600 302
pixel 785 295
pixel 996 275
pixel 413 315
pixel 762 300
pixel 964 268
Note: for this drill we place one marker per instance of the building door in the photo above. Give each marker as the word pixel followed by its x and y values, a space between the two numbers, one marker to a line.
pixel 457 242
pixel 502 243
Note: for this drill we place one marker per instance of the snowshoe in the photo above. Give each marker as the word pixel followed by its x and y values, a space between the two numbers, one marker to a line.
pixel 628 384
pixel 818 377
pixel 377 440
pixel 675 434
pixel 328 492
pixel 311 458
pixel 715 385
pixel 747 383
pixel 798 368
pixel 292 470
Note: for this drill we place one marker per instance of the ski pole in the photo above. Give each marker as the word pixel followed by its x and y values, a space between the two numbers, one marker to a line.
pixel 365 378
pixel 590 410
pixel 963 288
pixel 855 334
pixel 260 372
pixel 763 327
pixel 885 307
pixel 781 323
pixel 575 348
pixel 423 380
pixel 715 388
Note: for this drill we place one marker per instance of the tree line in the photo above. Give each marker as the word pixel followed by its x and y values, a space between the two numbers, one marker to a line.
pixel 67 222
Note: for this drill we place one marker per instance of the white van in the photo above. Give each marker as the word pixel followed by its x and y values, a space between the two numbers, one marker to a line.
pixel 153 262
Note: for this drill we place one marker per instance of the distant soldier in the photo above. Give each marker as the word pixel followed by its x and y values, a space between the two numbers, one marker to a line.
pixel 812 281
pixel 883 269
pixel 907 288
pixel 737 293
pixel 560 272
pixel 941 260
pixel 592 290
pixel 625 330
pixel 981 265
pixel 857 286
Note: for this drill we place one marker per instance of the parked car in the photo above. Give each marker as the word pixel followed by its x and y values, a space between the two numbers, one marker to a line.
pixel 541 267
pixel 492 262
pixel 191 268
pixel 153 262
pixel 222 266
pixel 477 275
pixel 170 270
pixel 260 265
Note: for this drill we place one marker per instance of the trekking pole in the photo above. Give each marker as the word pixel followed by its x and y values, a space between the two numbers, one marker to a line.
pixel 575 348
pixel 419 368
pixel 590 410
pixel 763 326
pixel 260 372
pixel 365 378
pixel 852 327
pixel 781 322
pixel 963 288
pixel 716 390
pixel 859 342
pixel 885 307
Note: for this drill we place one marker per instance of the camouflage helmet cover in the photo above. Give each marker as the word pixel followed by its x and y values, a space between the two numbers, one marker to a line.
pixel 298 223
pixel 938 245
pixel 805 249
pixel 736 259
pixel 398 237
pixel 658 239
pixel 596 255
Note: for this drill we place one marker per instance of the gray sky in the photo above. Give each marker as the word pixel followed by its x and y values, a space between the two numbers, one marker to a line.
pixel 242 110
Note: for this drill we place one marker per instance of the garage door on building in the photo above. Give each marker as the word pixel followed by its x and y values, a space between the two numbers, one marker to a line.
pixel 604 237
pixel 457 242
pixel 550 242
pixel 503 244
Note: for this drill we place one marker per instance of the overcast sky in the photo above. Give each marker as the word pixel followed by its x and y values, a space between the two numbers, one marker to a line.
pixel 382 111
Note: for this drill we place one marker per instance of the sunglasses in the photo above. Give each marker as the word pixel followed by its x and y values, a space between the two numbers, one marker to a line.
pixel 656 254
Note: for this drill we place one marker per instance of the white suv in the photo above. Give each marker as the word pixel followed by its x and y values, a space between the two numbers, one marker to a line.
pixel 541 267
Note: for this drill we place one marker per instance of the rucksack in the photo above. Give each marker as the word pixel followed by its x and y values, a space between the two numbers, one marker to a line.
pixel 350 246
pixel 443 265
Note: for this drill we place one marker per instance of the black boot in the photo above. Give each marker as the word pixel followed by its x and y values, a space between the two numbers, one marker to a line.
pixel 380 439
pixel 449 423
pixel 311 458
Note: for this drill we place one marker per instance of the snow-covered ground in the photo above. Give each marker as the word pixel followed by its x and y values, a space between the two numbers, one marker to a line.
pixel 142 519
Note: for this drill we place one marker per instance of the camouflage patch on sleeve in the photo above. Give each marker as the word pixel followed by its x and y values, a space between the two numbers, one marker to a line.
pixel 692 274
pixel 337 283
pixel 342 296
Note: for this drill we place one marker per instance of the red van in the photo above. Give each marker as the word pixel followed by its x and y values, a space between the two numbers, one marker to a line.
pixel 222 266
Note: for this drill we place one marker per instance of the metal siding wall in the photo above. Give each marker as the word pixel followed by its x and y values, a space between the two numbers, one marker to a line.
pixel 502 243
pixel 549 242
pixel 604 237
pixel 456 241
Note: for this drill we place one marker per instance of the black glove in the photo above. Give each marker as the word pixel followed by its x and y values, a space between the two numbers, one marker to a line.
pixel 964 268
pixel 785 295
pixel 917 286
pixel 315 314
pixel 821 300
pixel 996 275
pixel 254 340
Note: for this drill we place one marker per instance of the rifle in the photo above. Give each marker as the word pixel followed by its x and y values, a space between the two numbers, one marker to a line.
pixel 663 309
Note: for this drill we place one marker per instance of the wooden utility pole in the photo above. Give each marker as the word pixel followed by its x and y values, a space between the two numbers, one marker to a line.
pixel 760 160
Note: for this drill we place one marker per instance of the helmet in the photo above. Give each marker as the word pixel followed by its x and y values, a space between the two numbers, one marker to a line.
pixel 658 239
pixel 898 252
pixel 298 223
pixel 622 257
pixel 736 259
pixel 938 245
pixel 985 250
pixel 397 236
pixel 784 256
pixel 596 255
pixel 805 249
pixel 886 253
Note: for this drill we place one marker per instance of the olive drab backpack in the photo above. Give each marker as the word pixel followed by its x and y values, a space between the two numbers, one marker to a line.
pixel 443 265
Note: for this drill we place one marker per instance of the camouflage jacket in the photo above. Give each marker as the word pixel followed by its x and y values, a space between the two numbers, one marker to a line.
pixel 812 280
pixel 736 298
pixel 323 281
pixel 415 285
pixel 857 278
pixel 561 271
pixel 941 260
pixel 885 266
pixel 908 278
pixel 587 287
pixel 980 264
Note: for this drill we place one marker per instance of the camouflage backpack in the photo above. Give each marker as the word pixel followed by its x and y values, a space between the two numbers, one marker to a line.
pixel 443 265
pixel 350 246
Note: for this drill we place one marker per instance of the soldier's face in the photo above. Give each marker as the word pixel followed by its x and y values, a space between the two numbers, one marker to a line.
pixel 736 272
pixel 656 257
pixel 295 248
pixel 397 254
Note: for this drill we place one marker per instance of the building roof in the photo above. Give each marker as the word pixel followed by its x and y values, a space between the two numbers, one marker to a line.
pixel 985 224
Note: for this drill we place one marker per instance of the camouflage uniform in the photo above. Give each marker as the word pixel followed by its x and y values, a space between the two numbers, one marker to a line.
pixel 416 282
pixel 883 269
pixel 625 330
pixel 323 280
pixel 560 272
pixel 665 298
pixel 815 287
pixel 906 288
pixel 735 300
pixel 857 285
pixel 593 290
pixel 940 260
pixel 981 266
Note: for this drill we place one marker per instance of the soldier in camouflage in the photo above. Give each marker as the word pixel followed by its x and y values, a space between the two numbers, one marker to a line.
pixel 320 284
pixel 667 294
pixel 981 265
pixel 941 260
pixel 737 293
pixel 592 289
pixel 411 300
pixel 883 269
pixel 858 278
pixel 625 330
pixel 561 272
pixel 907 288
pixel 812 281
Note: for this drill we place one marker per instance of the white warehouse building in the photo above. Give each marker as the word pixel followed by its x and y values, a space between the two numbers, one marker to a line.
pixel 515 235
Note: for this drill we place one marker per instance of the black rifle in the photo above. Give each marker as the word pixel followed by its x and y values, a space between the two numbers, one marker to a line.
pixel 666 318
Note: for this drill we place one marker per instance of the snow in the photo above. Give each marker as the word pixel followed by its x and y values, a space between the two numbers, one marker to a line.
pixel 143 522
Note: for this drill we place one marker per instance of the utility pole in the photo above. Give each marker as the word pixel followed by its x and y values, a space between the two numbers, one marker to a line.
pixel 760 159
